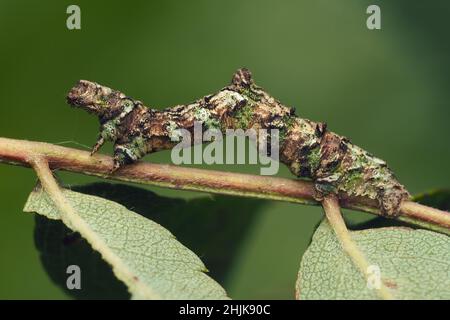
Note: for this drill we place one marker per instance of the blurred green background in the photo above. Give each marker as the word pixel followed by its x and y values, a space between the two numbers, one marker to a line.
pixel 388 90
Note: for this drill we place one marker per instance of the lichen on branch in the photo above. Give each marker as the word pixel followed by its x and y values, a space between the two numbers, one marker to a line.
pixel 335 165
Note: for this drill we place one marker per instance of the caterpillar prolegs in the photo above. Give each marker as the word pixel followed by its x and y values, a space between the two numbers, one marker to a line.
pixel 306 147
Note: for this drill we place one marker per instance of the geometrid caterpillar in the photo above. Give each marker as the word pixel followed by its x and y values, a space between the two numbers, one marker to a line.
pixel 307 148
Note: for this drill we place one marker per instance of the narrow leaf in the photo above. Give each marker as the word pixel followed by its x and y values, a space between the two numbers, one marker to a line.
pixel 162 267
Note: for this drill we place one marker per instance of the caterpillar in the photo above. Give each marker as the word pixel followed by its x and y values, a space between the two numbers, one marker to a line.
pixel 331 161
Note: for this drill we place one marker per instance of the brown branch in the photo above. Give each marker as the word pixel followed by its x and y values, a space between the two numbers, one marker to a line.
pixel 22 152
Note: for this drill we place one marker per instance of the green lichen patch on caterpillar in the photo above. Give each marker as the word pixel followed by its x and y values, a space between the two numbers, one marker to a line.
pixel 306 147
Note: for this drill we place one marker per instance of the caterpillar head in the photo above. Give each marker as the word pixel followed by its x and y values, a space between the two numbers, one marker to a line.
pixel 97 99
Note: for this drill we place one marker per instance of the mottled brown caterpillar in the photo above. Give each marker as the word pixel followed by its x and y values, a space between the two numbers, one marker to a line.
pixel 306 147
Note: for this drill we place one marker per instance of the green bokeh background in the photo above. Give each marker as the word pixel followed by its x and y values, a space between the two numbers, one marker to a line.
pixel 387 90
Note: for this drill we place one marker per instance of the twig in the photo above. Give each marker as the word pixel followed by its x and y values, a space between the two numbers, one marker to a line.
pixel 20 152
pixel 333 213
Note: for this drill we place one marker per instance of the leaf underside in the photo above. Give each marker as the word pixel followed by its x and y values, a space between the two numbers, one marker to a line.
pixel 414 264
pixel 213 226
pixel 158 262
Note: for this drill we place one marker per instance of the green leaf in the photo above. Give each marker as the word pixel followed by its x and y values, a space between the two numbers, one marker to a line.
pixel 414 264
pixel 162 268
pixel 214 227
pixel 60 247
